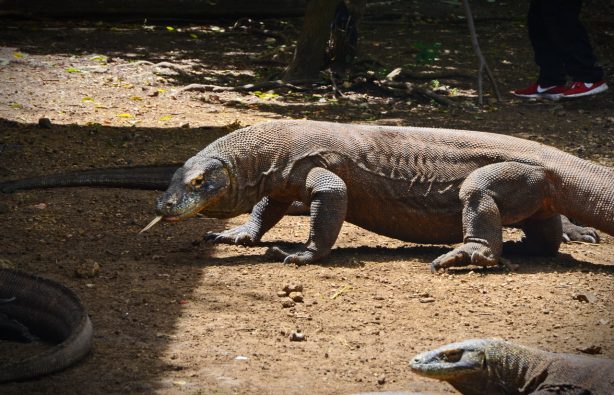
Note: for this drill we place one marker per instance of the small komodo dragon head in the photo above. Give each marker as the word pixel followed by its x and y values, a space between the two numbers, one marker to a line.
pixel 463 364
pixel 199 186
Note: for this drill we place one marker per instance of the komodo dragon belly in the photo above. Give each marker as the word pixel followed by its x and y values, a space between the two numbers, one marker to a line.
pixel 409 214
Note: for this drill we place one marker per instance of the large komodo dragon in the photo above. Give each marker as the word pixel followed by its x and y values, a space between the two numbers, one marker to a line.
pixel 401 182
pixel 493 366
pixel 32 306
pixel 416 184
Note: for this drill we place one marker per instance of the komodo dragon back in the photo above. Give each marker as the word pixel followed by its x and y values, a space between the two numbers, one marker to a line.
pixel 494 366
pixel 49 311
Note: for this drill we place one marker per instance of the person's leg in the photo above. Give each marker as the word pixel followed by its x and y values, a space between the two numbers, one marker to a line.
pixel 548 55
pixel 570 36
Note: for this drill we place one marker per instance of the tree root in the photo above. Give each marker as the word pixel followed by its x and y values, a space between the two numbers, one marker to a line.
pixel 365 81
pixel 261 86
pixel 410 89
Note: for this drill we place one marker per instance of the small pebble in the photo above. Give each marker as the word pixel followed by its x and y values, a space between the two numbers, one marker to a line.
pixel 296 296
pixel 287 302
pixel 87 269
pixel 296 337
pixel 293 287
pixel 381 380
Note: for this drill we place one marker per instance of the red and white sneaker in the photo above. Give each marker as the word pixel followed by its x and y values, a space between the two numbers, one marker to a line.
pixel 579 89
pixel 535 91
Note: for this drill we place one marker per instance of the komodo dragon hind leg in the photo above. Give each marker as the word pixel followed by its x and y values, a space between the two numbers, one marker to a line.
pixel 573 232
pixel 542 237
pixel 493 195
pixel 328 195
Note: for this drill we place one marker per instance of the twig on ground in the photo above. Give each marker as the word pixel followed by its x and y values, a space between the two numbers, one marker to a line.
pixel 478 52
pixel 336 90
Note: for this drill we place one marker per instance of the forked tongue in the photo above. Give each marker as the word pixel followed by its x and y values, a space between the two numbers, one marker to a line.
pixel 152 223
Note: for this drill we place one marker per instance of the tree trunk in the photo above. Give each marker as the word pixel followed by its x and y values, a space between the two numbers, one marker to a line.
pixel 310 53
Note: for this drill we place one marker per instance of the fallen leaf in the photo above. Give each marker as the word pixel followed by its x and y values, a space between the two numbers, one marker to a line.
pixel 136 98
pixel 194 36
pixel 73 70
pixel 87 99
pixel 99 58
pixel 166 118
pixel 170 28
pixel 15 105
pixel 18 55
pixel 124 115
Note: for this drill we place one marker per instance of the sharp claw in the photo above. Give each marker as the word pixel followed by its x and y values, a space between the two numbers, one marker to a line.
pixel 589 239
pixel 434 267
pixel 566 238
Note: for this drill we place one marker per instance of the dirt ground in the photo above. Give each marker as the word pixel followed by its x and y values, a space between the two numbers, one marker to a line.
pixel 174 315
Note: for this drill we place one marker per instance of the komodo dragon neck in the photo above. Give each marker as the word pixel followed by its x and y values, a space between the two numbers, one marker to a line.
pixel 49 310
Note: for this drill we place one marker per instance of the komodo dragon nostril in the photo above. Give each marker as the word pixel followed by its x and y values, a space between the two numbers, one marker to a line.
pixel 169 204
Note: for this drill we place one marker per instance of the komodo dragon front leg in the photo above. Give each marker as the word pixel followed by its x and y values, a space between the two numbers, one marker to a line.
pixel 503 194
pixel 264 216
pixel 328 196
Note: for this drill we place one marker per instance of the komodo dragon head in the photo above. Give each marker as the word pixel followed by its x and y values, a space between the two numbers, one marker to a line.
pixel 461 364
pixel 199 186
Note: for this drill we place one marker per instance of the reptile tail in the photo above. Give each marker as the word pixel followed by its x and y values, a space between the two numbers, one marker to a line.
pixel 52 312
pixel 585 192
pixel 138 177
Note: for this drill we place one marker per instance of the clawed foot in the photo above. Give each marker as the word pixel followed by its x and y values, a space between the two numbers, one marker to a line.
pixel 467 254
pixel 572 232
pixel 237 236
pixel 301 257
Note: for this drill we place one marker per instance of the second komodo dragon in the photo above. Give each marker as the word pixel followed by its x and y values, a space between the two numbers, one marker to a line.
pixel 422 185
pixel 494 366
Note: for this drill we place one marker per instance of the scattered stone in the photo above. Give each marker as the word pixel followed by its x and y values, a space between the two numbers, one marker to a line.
pixel 281 294
pixel 87 269
pixel 592 350
pixel 44 123
pixel 4 208
pixel 293 287
pixel 6 264
pixel 427 300
pixel 296 337
pixel 296 296
pixel 585 297
pixel 286 302
pixel 381 380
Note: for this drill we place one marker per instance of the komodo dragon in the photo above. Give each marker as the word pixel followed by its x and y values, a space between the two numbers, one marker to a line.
pixel 493 366
pixel 158 177
pixel 421 185
pixel 31 305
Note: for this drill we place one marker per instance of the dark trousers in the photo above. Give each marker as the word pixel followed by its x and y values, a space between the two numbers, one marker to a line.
pixel 561 43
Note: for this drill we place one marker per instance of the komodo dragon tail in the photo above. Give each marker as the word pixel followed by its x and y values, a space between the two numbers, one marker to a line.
pixel 585 191
pixel 156 177
pixel 50 311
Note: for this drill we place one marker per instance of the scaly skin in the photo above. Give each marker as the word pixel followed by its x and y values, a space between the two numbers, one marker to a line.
pixel 32 306
pixel 421 185
pixel 493 366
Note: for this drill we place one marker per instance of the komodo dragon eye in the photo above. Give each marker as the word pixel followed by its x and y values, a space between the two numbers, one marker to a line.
pixel 197 182
pixel 452 356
